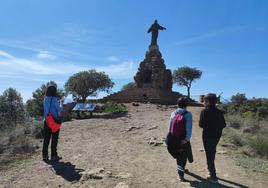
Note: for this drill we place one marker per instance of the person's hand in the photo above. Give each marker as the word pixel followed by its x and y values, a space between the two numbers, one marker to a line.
pixel 183 141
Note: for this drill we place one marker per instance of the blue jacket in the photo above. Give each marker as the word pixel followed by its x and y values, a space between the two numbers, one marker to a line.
pixel 189 123
pixel 55 108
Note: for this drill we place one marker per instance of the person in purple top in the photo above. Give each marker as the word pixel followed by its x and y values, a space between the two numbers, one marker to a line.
pixel 51 105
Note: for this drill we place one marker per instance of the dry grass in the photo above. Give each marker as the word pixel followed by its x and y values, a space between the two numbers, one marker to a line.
pixel 19 141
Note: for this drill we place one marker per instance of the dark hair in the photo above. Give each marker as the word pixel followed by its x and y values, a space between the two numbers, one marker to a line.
pixel 182 102
pixel 211 98
pixel 51 91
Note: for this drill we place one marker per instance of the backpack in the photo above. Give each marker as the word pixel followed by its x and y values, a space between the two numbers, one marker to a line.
pixel 177 128
pixel 177 132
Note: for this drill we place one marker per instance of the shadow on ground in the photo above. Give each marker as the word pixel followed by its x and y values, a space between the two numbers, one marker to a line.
pixel 202 183
pixel 66 170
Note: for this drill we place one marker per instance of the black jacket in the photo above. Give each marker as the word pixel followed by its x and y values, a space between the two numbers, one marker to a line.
pixel 212 121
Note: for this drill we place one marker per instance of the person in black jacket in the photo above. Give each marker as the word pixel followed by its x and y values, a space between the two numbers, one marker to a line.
pixel 212 121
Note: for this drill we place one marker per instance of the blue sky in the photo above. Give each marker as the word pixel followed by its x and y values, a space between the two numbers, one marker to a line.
pixel 51 40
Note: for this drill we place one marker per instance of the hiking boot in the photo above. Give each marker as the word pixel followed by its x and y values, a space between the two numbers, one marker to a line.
pixel 56 158
pixel 181 178
pixel 212 179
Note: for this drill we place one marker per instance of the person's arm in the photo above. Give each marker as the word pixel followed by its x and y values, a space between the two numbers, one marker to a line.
pixel 149 30
pixel 170 120
pixel 202 119
pixel 161 28
pixel 45 108
pixel 188 126
pixel 57 105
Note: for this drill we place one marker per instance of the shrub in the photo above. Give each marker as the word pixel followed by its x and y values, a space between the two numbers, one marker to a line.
pixel 37 129
pixel 234 121
pixel 113 107
pixel 236 139
pixel 259 144
pixel 11 109
pixel 247 121
pixel 22 145
pixel 129 85
pixel 255 107
pixel 19 140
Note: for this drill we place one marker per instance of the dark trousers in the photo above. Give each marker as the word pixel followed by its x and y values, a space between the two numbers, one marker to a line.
pixel 210 143
pixel 54 141
pixel 181 162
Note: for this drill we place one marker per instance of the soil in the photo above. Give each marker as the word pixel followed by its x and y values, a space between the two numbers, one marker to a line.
pixel 126 151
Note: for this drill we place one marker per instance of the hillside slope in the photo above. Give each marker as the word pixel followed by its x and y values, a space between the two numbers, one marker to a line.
pixel 114 152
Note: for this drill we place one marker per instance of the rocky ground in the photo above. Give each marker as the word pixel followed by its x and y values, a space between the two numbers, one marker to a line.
pixel 125 152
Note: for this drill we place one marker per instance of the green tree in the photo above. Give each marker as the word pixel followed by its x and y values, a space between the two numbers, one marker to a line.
pixel 34 106
pixel 11 108
pixel 88 83
pixel 129 86
pixel 239 98
pixel 185 76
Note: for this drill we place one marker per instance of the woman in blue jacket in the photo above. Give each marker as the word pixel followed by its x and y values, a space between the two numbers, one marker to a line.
pixel 51 105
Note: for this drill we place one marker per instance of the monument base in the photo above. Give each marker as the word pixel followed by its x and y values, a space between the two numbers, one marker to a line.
pixel 151 95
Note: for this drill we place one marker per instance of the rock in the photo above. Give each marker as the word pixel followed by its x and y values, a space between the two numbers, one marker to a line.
pixel 77 156
pixel 131 128
pixel 155 142
pixel 135 104
pixel 97 173
pixel 154 127
pixel 123 175
pixel 108 173
pixel 221 152
pixel 121 185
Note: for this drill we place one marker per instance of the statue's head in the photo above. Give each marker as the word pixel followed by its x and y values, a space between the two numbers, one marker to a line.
pixel 155 21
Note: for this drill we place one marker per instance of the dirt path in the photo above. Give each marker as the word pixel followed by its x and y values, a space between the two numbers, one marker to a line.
pixel 114 152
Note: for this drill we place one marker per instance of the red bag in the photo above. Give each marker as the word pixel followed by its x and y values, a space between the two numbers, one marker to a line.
pixel 52 124
pixel 50 121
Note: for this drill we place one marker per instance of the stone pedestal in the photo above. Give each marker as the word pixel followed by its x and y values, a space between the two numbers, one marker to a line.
pixel 152 70
pixel 153 81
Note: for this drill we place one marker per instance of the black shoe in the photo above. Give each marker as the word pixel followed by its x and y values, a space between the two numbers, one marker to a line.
pixel 45 158
pixel 181 178
pixel 212 179
pixel 56 158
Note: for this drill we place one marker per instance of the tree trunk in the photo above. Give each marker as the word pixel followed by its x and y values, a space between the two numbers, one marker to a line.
pixel 84 99
pixel 188 92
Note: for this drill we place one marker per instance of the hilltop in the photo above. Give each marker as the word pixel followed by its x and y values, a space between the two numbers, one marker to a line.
pixel 125 151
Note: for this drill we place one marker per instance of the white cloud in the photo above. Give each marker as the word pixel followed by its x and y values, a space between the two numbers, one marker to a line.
pixel 45 55
pixel 112 58
pixel 5 55
pixel 10 63
pixel 121 70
